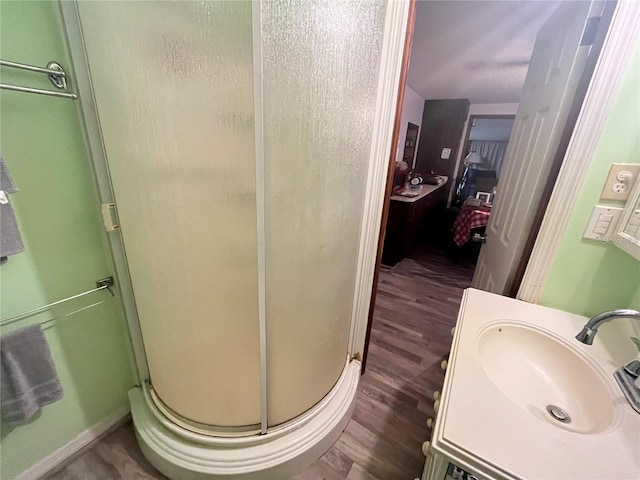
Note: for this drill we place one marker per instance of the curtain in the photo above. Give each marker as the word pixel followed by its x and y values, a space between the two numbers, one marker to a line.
pixel 491 152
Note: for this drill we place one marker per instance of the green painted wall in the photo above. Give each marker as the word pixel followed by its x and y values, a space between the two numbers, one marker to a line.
pixel 58 214
pixel 587 276
pixel 635 300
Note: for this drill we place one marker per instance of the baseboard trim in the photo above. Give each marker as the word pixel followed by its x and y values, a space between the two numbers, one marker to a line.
pixel 58 459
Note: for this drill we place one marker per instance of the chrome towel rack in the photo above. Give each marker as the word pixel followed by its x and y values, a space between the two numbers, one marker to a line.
pixel 54 71
pixel 102 284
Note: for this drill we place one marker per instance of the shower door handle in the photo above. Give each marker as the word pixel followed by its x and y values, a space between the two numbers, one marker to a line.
pixel 108 211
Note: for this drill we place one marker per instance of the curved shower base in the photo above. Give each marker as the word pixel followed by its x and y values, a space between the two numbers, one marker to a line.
pixel 182 454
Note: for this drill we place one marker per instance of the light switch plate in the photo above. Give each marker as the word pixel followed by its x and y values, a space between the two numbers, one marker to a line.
pixel 617 187
pixel 446 153
pixel 602 222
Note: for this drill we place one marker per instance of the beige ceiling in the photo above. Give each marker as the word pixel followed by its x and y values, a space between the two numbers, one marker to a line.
pixel 478 49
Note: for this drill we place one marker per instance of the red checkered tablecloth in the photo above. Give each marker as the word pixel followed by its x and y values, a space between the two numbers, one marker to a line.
pixel 468 218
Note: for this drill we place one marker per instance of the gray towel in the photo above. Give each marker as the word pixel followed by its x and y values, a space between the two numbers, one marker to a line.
pixel 7 183
pixel 10 239
pixel 28 378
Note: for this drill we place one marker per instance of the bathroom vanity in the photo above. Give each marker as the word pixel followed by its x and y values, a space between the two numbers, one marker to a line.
pixel 523 399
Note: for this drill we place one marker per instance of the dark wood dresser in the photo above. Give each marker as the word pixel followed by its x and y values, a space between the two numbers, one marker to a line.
pixel 408 217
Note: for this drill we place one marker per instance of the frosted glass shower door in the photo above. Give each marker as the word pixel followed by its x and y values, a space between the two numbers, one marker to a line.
pixel 173 85
pixel 320 72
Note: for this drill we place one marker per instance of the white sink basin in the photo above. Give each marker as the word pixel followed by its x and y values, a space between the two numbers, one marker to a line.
pixel 509 361
pixel 546 376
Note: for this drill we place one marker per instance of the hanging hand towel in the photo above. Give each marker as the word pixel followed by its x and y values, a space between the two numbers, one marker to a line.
pixel 10 239
pixel 28 378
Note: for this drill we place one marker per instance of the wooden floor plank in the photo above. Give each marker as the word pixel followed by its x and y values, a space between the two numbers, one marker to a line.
pixel 359 473
pixel 416 308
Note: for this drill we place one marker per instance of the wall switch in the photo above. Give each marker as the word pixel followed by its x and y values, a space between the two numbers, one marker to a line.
pixel 621 178
pixel 602 222
pixel 446 153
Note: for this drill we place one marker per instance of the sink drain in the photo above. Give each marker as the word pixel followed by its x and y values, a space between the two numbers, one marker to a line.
pixel 558 414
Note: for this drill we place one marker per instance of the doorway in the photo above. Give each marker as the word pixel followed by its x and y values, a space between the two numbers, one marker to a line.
pixel 453 183
pixel 434 232
pixel 466 99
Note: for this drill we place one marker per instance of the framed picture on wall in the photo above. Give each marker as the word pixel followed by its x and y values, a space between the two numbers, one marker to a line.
pixel 410 143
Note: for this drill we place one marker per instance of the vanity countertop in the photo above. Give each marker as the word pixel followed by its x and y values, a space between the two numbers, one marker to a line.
pixel 484 430
pixel 424 191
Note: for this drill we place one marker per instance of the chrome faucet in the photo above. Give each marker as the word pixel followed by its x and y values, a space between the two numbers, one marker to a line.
pixel 625 376
pixel 589 331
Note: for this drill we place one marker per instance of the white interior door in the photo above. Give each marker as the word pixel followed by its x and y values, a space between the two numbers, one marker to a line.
pixel 556 65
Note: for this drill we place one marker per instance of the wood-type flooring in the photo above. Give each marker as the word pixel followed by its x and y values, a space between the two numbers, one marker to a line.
pixel 416 307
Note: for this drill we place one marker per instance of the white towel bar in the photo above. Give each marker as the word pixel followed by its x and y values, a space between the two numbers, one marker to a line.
pixel 54 71
pixel 105 283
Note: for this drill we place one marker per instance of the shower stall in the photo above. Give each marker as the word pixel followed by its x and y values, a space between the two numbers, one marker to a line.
pixel 240 150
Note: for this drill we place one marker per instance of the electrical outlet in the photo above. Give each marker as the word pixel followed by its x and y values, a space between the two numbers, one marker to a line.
pixel 619 188
pixel 621 178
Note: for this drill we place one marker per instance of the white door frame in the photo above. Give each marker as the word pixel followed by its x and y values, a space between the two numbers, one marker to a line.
pixel 386 103
pixel 621 41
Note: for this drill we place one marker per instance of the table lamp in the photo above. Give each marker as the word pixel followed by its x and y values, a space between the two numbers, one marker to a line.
pixel 472 158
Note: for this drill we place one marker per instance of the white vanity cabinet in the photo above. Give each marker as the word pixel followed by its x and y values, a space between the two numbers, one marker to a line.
pixel 438 466
pixel 523 399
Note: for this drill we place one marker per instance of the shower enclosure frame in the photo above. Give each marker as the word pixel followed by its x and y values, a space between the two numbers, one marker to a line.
pixel 283 449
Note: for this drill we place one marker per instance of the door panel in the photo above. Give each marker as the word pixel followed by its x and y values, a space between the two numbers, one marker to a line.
pixel 173 85
pixel 318 114
pixel 556 65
